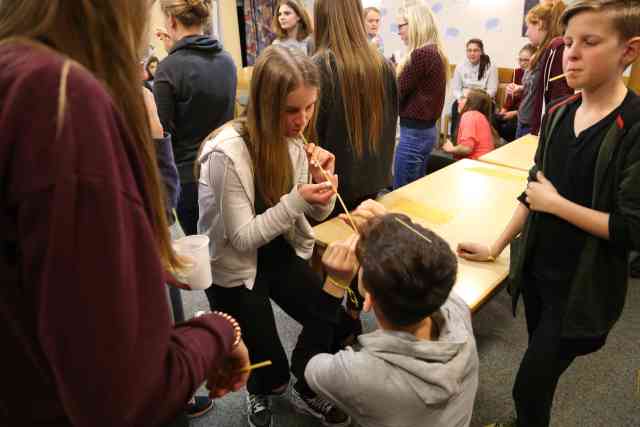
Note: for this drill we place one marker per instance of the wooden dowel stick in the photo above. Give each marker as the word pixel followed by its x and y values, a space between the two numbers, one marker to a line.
pixel 328 178
pixel 254 366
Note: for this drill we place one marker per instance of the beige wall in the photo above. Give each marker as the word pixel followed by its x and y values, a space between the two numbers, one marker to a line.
pixel 229 28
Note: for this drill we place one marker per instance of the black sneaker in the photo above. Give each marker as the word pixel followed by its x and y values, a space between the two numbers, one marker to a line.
pixel 198 406
pixel 320 408
pixel 259 410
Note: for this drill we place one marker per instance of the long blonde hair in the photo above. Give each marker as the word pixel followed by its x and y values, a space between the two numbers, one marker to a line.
pixel 340 31
pixel 548 17
pixel 107 40
pixel 278 72
pixel 423 30
pixel 305 28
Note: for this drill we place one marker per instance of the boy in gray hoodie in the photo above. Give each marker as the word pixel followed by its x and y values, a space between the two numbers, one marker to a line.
pixel 421 367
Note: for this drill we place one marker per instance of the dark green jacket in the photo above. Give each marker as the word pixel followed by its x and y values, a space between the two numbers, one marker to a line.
pixel 599 286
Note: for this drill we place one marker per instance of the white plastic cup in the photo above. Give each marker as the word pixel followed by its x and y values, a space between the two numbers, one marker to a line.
pixel 194 251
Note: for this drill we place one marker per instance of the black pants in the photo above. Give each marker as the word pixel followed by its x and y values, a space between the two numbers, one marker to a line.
pixel 505 128
pixel 176 304
pixel 181 420
pixel 455 120
pixel 291 283
pixel 548 355
pixel 187 208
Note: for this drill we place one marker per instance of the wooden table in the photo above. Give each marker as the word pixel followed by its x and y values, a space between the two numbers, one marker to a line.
pixel 466 201
pixel 518 154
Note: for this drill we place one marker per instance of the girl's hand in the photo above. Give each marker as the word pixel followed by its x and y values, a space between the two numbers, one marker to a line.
pixel 319 194
pixel 508 115
pixel 340 261
pixel 474 252
pixel 157 131
pixel 513 89
pixel 318 158
pixel 542 196
pixel 228 378
pixel 448 147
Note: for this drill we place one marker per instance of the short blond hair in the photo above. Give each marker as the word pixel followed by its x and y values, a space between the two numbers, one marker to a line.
pixel 624 14
pixel 369 9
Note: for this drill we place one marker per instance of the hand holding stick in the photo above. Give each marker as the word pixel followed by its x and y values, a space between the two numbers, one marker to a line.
pixel 328 178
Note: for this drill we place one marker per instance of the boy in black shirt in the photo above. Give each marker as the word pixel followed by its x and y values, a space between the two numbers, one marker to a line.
pixel 580 214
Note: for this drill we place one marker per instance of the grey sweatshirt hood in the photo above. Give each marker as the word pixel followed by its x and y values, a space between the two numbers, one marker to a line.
pixel 443 364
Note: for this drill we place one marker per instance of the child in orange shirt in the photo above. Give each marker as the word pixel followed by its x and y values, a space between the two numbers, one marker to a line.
pixel 476 137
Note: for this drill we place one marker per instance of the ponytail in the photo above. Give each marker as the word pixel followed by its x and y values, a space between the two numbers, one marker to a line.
pixel 485 63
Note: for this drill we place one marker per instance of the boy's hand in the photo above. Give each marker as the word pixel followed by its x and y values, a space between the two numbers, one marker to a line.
pixel 339 260
pixel 474 252
pixel 365 212
pixel 542 196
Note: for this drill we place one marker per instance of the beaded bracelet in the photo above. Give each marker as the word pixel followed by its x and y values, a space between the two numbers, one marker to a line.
pixel 234 324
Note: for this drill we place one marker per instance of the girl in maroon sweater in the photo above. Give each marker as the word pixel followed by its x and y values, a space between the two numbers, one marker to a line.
pixel 422 84
pixel 84 247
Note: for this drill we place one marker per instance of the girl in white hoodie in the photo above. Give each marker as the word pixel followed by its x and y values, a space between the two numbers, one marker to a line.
pixel 258 183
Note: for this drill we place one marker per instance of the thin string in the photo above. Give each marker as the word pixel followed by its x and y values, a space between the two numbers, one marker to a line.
pixel 413 230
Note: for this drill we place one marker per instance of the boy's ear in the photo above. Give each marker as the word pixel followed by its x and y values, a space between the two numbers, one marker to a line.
pixel 632 51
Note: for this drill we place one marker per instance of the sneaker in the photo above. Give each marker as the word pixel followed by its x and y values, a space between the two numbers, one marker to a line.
pixel 320 408
pixel 507 424
pixel 258 410
pixel 198 406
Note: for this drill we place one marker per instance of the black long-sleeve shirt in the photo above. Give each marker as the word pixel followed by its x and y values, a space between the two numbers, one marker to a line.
pixel 195 89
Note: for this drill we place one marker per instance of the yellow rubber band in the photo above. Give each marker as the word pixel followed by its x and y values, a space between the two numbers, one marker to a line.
pixel 350 293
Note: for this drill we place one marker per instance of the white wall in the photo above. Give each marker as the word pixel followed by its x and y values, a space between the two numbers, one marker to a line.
pixel 497 22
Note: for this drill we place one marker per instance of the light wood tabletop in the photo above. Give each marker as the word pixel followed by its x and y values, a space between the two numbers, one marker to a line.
pixel 518 154
pixel 466 201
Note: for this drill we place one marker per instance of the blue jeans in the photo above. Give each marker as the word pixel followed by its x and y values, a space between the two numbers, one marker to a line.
pixel 522 130
pixel 412 154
